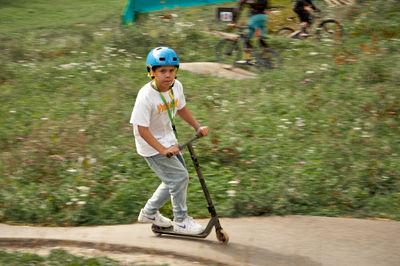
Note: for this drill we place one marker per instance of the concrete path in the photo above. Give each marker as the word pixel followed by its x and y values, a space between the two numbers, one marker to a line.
pixel 218 70
pixel 286 240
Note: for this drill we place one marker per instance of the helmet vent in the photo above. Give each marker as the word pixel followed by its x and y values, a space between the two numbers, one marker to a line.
pixel 175 59
pixel 162 58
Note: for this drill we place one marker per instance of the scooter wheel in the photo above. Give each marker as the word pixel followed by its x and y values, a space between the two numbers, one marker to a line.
pixel 154 228
pixel 222 237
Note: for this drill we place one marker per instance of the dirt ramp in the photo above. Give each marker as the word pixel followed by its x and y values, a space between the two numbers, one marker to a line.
pixel 217 69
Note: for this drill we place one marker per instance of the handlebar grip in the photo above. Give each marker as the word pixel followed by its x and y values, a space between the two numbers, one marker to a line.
pixel 199 135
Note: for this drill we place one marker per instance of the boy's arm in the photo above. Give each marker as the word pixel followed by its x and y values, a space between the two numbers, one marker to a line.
pixel 153 142
pixel 187 116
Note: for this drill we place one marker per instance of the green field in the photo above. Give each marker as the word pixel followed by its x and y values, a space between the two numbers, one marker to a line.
pixel 318 137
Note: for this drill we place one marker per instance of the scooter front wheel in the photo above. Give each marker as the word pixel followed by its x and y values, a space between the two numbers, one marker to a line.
pixel 222 237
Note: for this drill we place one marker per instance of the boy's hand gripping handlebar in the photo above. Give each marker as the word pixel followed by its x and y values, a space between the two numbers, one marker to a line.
pixel 197 136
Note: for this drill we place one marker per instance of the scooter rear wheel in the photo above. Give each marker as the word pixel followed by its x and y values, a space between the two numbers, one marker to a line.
pixel 154 228
pixel 222 237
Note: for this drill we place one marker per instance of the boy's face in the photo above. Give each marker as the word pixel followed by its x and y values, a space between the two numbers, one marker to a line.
pixel 164 77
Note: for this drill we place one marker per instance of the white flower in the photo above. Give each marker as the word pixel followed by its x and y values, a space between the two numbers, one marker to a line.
pixel 81 159
pixel 81 202
pixel 234 182
pixel 313 53
pixel 231 193
pixel 83 188
pixel 70 65
pixel 72 170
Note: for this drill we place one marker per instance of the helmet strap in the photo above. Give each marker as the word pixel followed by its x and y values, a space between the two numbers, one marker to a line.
pixel 150 74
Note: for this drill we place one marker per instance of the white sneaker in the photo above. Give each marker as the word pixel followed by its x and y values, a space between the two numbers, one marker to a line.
pixel 188 226
pixel 156 219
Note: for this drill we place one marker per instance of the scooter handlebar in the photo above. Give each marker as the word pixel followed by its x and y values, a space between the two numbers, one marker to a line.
pixel 197 136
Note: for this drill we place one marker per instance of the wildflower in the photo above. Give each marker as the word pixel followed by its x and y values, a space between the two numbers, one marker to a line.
pixel 83 188
pixel 313 53
pixel 250 207
pixel 72 170
pixel 302 163
pixel 248 162
pixel 81 202
pixel 57 157
pixel 253 179
pixel 27 147
pixel 69 66
pixel 234 182
pixel 31 161
pixel 231 193
pixel 20 138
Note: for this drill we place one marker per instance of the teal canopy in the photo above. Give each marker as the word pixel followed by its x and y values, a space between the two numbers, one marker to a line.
pixel 144 6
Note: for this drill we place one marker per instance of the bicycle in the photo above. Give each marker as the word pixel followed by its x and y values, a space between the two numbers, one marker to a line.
pixel 326 30
pixel 229 51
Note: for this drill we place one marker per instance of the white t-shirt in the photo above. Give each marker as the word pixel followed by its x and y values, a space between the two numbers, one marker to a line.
pixel 150 111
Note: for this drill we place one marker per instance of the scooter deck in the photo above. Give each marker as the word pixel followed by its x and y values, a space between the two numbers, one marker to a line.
pixel 170 230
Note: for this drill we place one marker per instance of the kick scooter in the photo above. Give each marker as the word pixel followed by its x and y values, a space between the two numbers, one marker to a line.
pixel 222 236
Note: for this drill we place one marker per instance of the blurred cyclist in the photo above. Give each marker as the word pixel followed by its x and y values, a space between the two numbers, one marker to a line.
pixel 256 22
pixel 302 8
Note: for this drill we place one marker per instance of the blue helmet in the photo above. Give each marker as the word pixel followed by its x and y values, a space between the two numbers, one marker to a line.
pixel 162 56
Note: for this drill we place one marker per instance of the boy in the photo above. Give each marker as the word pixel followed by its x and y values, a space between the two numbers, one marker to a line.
pixel 153 119
pixel 256 22
pixel 301 8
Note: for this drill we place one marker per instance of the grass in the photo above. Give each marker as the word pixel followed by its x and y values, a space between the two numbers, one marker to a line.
pixel 56 257
pixel 318 137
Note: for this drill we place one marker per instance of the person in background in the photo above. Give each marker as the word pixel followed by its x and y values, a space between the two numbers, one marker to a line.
pixel 257 23
pixel 302 8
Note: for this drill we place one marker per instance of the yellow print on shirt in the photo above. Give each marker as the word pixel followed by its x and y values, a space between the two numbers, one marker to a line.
pixel 162 107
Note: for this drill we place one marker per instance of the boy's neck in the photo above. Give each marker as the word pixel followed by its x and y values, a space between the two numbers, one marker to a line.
pixel 159 88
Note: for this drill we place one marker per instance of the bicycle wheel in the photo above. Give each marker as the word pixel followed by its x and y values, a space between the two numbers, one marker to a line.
pixel 228 52
pixel 329 30
pixel 268 59
pixel 285 32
